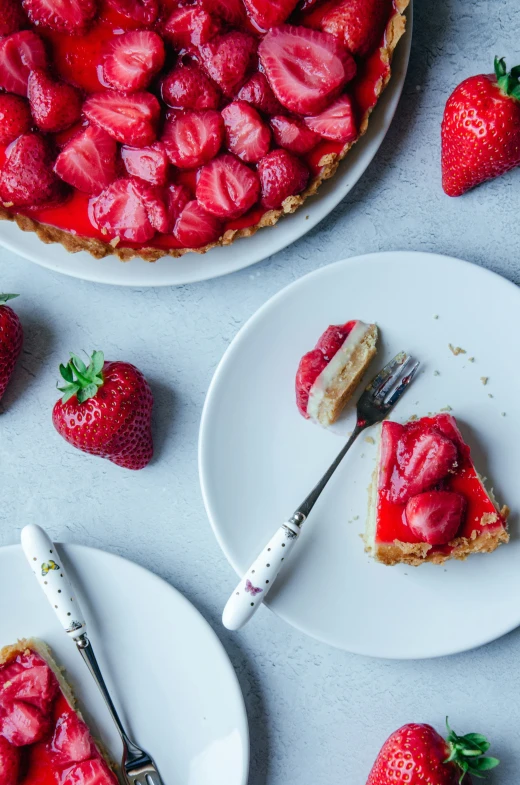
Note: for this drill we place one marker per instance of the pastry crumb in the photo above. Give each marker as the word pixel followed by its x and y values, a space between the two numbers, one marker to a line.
pixel 489 395
pixel 436 373
pixel 369 440
pixel 436 316
pixel 456 349
pixel 503 414
pixel 471 359
pixel 413 418
pixel 356 518
pixel 114 242
pixel 8 204
pixel 446 409
pixel 484 380
pixel 104 231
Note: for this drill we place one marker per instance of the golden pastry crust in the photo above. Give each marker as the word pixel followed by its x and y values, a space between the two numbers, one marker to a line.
pixel 329 163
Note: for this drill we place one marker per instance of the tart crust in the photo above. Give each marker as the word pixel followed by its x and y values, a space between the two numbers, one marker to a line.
pixel 73 243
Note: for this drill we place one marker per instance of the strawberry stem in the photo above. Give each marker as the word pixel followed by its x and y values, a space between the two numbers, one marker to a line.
pixel 82 380
pixel 468 753
pixel 508 82
pixel 4 298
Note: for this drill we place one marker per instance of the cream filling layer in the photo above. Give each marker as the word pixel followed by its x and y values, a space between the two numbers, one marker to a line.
pixel 334 368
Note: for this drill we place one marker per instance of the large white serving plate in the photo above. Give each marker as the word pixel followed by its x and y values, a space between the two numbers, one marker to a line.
pixel 219 261
pixel 259 458
pixel 163 663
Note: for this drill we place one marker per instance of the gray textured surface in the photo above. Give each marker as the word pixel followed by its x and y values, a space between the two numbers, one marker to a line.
pixel 317 715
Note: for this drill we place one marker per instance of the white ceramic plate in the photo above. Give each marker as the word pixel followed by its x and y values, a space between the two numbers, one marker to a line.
pixel 165 666
pixel 219 261
pixel 259 458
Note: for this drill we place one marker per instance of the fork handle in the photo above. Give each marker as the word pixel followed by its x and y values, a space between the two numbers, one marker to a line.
pixel 50 573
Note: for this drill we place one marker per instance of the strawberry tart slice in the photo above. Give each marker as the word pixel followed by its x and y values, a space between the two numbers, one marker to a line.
pixel 43 739
pixel 329 374
pixel 427 501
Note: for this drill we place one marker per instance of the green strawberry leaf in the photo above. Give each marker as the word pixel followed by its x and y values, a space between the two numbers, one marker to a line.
pixel 66 373
pixel 97 362
pixel 4 298
pixel 83 381
pixel 467 752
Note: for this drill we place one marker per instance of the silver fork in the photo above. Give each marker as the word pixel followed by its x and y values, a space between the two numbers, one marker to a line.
pixel 375 403
pixel 137 766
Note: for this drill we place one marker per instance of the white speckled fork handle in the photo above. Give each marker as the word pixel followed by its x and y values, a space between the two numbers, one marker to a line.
pixel 50 574
pixel 258 580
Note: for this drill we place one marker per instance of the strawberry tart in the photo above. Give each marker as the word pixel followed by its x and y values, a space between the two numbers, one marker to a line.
pixel 155 127
pixel 427 501
pixel 43 739
pixel 329 374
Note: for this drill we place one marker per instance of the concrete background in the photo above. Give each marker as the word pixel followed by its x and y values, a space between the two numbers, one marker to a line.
pixel 317 715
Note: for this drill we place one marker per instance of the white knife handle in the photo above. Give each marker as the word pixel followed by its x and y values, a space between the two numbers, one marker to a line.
pixel 258 580
pixel 50 574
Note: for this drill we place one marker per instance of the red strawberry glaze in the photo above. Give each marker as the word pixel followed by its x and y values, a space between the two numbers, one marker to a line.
pixel 76 59
pixel 391 518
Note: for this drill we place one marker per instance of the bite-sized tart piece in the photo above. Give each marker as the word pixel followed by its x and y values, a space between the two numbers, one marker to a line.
pixel 328 375
pixel 43 738
pixel 427 502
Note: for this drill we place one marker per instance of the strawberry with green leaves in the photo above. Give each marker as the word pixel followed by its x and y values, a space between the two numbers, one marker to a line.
pixel 106 410
pixel 11 340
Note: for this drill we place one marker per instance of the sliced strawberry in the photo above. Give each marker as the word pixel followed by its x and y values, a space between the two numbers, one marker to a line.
pixel 435 516
pixel 36 685
pixel 132 60
pixel 177 197
pixel 333 339
pixel 257 92
pixel 305 68
pixel 130 119
pixel 195 227
pixel 281 175
pixel 15 117
pixel 391 433
pixel 9 763
pixel 24 724
pixel 71 742
pixel 189 27
pixel 227 188
pixel 269 13
pixel 247 136
pixel 26 178
pixel 424 458
pixel 228 58
pixel 336 122
pixel 310 367
pixel 359 24
pixel 188 87
pixel 147 163
pixel 12 20
pixel 19 54
pixel 55 105
pixel 143 11
pixel 193 138
pixel 88 161
pixel 90 772
pixel 68 16
pixel 130 210
pixel 293 135
pixel 232 11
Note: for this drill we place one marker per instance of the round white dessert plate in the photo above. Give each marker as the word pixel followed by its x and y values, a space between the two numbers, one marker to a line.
pixel 164 665
pixel 259 458
pixel 220 261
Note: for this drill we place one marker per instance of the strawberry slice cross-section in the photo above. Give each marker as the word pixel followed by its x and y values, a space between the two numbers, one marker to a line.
pixel 20 53
pixel 130 209
pixel 88 161
pixel 132 59
pixel 129 119
pixel 191 138
pixel 227 187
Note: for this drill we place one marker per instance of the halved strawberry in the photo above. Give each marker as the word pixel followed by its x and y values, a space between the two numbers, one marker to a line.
pixel 232 11
pixel 336 122
pixel 24 724
pixel 71 742
pixel 359 24
pixel 68 16
pixel 88 161
pixel 247 136
pixel 130 119
pixel 424 458
pixel 436 516
pixel 177 197
pixel 391 433
pixel 257 92
pixel 12 18
pixel 90 772
pixel 27 178
pixel 305 68
pixel 281 175
pixel 131 210
pixel 147 163
pixel 188 87
pixel 55 105
pixel 9 762
pixel 36 685
pixel 190 26
pixel 143 11
pixel 131 60
pixel 293 135
pixel 20 53
pixel 15 117
pixel 226 187
pixel 269 13
pixel 195 227
pixel 193 138
pixel 228 58
pixel 310 367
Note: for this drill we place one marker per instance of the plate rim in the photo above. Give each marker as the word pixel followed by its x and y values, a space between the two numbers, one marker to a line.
pixel 202 446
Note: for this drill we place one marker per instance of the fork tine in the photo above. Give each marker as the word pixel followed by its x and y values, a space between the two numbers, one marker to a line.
pixel 393 381
pixel 394 395
pixel 386 373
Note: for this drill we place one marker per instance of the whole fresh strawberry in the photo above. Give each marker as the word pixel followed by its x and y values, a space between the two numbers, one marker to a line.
pixel 417 755
pixel 11 340
pixel 106 410
pixel 481 129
